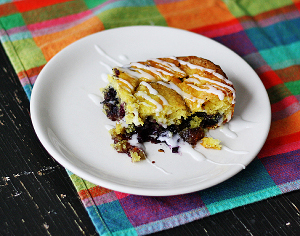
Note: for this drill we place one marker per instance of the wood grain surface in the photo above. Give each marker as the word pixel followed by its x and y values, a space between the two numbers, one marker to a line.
pixel 38 198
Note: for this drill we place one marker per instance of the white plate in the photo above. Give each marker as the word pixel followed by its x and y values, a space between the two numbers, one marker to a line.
pixel 72 128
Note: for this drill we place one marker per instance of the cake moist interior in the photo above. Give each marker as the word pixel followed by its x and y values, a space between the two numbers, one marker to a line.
pixel 189 131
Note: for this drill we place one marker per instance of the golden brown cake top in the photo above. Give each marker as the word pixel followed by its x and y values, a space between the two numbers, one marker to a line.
pixel 173 87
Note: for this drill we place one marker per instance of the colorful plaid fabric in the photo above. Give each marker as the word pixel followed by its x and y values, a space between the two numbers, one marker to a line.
pixel 265 33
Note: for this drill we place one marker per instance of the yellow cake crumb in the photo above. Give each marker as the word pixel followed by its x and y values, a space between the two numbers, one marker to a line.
pixel 212 143
pixel 196 122
pixel 119 128
pixel 135 156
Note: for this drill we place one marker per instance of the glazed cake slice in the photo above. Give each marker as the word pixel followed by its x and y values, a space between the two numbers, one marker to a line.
pixel 166 100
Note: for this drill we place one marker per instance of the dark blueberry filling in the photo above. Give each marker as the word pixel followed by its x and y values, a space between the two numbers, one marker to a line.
pixel 116 71
pixel 111 105
pixel 151 131
pixel 192 135
pixel 209 120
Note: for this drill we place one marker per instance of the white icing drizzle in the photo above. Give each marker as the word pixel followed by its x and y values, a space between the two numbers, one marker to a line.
pixel 109 127
pixel 170 140
pixel 227 132
pixel 211 89
pixel 170 66
pixel 123 123
pixel 186 148
pixel 95 98
pixel 214 82
pixel 146 104
pixel 154 92
pixel 149 87
pixel 165 102
pixel 104 77
pixel 234 151
pixel 136 117
pixel 135 142
pixel 147 97
pixel 126 82
pixel 154 70
pixel 180 92
pixel 157 167
pixel 102 53
pixel 238 124
pixel 137 73
pixel 192 66
pixel 106 66
pixel 227 164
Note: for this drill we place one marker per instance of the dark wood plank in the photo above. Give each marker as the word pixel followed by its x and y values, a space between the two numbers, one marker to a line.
pixel 38 198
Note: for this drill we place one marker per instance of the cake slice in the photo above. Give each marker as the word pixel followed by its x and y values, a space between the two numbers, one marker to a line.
pixel 166 100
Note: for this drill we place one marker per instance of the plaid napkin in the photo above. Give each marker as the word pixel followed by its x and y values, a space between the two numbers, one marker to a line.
pixel 265 33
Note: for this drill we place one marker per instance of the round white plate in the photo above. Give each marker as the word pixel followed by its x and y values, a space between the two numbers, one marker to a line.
pixel 72 127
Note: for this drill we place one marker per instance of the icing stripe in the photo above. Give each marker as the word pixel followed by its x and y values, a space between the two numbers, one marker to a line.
pixel 154 70
pixel 127 83
pixel 211 89
pixel 147 97
pixel 180 92
pixel 154 92
pixel 213 81
pixel 192 66
pixel 168 65
pixel 136 73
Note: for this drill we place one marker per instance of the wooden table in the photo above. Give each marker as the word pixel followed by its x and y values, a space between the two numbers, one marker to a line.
pixel 38 198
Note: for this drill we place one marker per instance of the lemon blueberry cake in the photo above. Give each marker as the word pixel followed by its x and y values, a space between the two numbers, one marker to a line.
pixel 167 100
